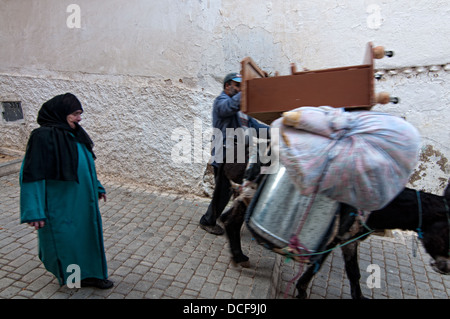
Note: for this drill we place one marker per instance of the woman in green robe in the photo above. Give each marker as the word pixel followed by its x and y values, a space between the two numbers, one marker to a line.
pixel 59 195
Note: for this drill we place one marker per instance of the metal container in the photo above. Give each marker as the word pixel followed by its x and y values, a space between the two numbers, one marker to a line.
pixel 278 209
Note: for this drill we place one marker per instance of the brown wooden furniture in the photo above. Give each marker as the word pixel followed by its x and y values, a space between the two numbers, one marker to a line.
pixel 265 98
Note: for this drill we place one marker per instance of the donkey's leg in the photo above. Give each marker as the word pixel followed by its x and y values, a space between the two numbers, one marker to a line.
pixel 233 224
pixel 305 279
pixel 350 253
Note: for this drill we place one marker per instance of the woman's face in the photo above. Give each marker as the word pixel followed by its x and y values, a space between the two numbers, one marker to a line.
pixel 73 118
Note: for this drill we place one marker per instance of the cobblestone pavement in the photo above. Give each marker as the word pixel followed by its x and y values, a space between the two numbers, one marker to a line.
pixel 402 276
pixel 155 249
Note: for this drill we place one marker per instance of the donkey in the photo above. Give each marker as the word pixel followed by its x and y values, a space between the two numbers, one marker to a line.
pixel 419 211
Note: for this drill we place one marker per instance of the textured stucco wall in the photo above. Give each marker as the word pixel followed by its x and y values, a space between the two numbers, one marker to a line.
pixel 425 103
pixel 144 68
pixel 130 121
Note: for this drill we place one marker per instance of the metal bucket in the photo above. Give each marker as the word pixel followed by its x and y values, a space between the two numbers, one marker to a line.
pixel 278 209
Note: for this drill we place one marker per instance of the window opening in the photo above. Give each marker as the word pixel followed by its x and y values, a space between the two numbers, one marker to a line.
pixel 12 111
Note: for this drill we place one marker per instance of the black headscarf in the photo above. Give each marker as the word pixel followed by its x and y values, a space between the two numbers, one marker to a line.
pixel 52 152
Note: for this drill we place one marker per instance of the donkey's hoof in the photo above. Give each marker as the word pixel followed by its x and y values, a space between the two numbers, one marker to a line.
pixel 241 261
pixel 302 294
pixel 244 264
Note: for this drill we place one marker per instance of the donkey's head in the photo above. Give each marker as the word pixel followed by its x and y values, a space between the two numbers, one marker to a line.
pixel 436 242
pixel 436 237
pixel 429 214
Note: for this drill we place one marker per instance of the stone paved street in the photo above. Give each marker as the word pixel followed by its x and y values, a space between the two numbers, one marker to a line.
pixel 402 276
pixel 155 249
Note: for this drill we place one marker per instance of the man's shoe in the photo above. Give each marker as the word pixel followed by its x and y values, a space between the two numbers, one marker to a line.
pixel 98 283
pixel 215 230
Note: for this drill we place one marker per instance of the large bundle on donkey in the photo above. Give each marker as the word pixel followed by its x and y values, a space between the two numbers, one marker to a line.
pixel 329 156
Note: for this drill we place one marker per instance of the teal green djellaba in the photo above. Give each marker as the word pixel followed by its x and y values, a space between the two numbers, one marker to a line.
pixel 73 233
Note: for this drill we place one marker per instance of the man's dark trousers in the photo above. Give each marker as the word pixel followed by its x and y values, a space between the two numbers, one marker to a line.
pixel 221 196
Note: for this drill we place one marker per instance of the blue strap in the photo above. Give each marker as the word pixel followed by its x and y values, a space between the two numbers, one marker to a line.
pixel 419 228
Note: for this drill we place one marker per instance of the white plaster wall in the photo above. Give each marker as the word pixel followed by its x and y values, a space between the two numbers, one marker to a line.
pixel 425 103
pixel 200 40
pixel 130 122
pixel 144 67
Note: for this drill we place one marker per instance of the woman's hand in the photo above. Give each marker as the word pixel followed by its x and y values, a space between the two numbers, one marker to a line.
pixel 102 195
pixel 37 225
